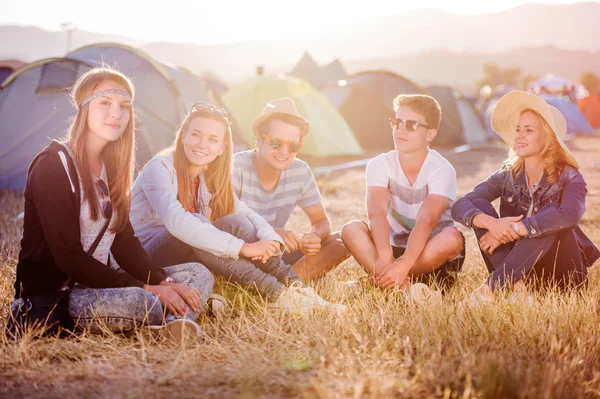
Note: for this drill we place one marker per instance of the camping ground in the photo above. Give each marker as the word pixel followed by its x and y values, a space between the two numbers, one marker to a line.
pixel 382 347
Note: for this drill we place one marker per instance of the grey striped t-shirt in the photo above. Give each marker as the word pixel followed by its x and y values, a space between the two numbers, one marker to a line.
pixel 297 186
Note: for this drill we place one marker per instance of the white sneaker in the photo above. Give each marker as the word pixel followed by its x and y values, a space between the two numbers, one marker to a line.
pixel 475 301
pixel 421 294
pixel 342 289
pixel 175 331
pixel 310 292
pixel 517 299
pixel 216 305
pixel 300 297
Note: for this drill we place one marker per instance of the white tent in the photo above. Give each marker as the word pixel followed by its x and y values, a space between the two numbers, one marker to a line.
pixel 552 83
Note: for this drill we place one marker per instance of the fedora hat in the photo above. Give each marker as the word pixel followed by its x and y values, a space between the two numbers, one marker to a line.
pixel 280 106
pixel 507 113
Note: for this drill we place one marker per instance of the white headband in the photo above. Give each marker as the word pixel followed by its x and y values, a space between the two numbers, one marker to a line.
pixel 100 93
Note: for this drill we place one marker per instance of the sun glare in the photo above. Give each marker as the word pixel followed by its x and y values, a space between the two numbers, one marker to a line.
pixel 227 21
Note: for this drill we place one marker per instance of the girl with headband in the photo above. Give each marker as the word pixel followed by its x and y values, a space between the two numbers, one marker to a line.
pixel 77 201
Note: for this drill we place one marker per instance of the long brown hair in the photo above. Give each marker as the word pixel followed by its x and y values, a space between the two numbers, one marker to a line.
pixel 117 155
pixel 554 156
pixel 217 174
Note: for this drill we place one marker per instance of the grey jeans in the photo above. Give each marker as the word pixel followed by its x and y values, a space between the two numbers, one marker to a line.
pixel 268 279
pixel 123 309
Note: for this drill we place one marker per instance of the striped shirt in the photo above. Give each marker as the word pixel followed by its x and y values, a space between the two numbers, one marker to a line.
pixel 437 176
pixel 296 186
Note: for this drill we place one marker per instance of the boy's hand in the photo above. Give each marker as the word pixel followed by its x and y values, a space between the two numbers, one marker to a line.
pixel 291 240
pixel 381 265
pixel 310 243
pixel 395 275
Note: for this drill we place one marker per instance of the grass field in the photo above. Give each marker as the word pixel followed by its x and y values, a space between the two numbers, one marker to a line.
pixel 382 347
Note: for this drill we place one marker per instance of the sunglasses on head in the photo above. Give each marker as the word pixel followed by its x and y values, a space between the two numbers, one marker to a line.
pixel 292 146
pixel 205 107
pixel 107 205
pixel 409 124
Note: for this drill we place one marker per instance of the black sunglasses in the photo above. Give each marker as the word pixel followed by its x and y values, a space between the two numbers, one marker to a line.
pixel 106 206
pixel 409 124
pixel 222 112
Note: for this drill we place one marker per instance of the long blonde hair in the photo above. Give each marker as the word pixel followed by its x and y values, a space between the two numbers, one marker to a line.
pixel 217 174
pixel 553 154
pixel 118 155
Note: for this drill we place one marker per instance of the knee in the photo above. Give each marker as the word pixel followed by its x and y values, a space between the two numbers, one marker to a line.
pixel 332 239
pixel 234 224
pixel 196 275
pixel 485 206
pixel 335 244
pixel 353 229
pixel 145 305
pixel 204 277
pixel 454 242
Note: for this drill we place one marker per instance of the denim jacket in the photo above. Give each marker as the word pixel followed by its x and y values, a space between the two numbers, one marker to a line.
pixel 155 207
pixel 555 206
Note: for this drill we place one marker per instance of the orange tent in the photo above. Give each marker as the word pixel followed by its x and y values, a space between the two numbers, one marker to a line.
pixel 590 108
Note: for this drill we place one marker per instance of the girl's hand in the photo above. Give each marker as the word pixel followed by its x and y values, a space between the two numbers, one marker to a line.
pixel 488 243
pixel 260 250
pixel 502 230
pixel 521 229
pixel 190 295
pixel 168 298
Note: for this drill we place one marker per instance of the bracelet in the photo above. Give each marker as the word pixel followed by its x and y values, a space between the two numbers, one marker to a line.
pixel 515 227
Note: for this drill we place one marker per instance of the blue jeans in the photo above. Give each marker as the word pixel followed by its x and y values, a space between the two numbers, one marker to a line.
pixel 123 309
pixel 268 279
pixel 554 258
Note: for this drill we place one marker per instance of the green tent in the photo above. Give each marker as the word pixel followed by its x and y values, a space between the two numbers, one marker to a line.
pixel 329 133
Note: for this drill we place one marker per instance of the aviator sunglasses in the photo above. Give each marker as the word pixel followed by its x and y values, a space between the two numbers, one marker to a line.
pixel 222 112
pixel 106 206
pixel 274 143
pixel 409 125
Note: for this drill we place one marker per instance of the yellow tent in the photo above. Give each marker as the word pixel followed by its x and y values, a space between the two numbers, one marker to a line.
pixel 329 135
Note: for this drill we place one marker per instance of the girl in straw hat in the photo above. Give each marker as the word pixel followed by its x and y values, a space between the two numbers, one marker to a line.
pixel 536 237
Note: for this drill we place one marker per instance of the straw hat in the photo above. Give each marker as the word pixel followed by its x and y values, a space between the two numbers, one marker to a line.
pixel 505 117
pixel 279 106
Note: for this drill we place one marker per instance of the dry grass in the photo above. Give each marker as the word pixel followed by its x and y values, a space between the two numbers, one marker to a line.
pixel 382 347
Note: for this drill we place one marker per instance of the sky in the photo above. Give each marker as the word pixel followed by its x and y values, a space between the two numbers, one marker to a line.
pixel 224 21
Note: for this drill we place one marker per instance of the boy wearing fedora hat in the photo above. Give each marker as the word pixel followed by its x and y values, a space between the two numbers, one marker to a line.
pixel 536 237
pixel 410 233
pixel 272 182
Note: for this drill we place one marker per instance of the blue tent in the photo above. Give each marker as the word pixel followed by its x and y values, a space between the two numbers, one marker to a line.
pixel 576 122
pixel 461 123
pixel 35 108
